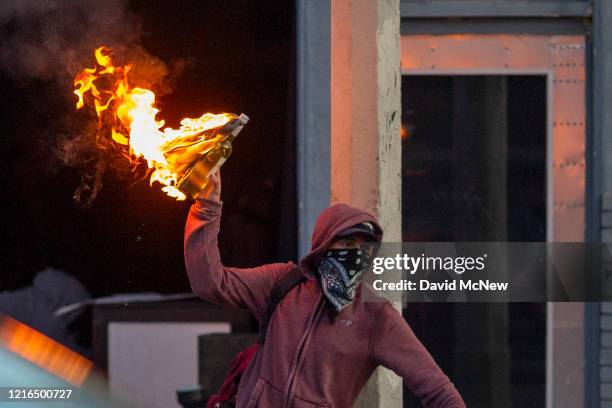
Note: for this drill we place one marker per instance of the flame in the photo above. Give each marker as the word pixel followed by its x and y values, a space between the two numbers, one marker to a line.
pixel 127 120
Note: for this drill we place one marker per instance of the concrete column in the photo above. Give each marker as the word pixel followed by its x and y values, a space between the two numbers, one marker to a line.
pixel 365 131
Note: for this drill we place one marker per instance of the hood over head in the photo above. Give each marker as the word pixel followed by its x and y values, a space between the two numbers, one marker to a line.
pixel 331 222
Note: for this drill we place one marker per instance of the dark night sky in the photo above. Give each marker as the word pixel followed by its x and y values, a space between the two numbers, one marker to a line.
pixel 238 57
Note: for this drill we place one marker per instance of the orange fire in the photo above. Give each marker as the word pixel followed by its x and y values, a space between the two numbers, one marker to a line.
pixel 127 117
pixel 43 351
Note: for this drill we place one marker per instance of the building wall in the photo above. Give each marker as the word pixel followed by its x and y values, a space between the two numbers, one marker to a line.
pixel 605 356
pixel 602 146
pixel 538 17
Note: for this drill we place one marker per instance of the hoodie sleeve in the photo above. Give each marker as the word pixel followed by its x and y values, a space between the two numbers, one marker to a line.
pixel 395 346
pixel 246 288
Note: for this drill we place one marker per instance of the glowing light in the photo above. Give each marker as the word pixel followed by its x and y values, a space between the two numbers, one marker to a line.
pixel 127 118
pixel 43 351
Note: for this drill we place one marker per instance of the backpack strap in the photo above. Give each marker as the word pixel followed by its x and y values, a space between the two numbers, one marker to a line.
pixel 283 286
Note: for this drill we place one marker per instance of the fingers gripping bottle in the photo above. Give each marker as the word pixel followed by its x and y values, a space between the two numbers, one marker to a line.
pixel 196 177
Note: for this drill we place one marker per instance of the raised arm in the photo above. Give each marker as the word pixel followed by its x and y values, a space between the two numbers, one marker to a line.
pixel 395 346
pixel 248 288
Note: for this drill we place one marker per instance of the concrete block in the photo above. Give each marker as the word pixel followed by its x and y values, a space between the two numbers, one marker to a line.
pixel 606 219
pixel 606 307
pixel 606 235
pixel 606 201
pixel 606 391
pixel 606 340
pixel 605 356
pixel 605 374
pixel 606 322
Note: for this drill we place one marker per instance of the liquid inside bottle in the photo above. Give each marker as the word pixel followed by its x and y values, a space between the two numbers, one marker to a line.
pixel 196 177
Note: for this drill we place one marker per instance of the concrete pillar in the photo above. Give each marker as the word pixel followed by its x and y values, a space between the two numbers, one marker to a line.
pixel 365 131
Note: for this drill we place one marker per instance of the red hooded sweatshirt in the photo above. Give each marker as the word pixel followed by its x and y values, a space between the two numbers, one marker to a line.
pixel 307 359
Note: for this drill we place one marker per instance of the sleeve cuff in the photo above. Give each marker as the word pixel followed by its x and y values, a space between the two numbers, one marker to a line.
pixel 207 208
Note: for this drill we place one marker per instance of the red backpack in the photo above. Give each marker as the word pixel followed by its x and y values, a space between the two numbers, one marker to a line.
pixel 226 397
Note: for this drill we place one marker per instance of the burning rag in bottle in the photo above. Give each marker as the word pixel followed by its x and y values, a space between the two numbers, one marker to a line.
pixel 179 159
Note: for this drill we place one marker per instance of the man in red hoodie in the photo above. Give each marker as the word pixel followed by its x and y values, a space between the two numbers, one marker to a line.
pixel 323 343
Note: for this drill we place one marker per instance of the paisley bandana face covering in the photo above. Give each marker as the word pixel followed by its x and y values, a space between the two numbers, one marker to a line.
pixel 340 271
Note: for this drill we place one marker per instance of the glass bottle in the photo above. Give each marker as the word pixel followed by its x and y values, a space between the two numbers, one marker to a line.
pixel 196 177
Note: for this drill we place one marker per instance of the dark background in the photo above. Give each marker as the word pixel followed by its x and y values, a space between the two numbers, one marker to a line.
pixel 239 58
pixel 492 351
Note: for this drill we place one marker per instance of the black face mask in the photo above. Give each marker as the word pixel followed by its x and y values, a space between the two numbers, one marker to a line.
pixel 340 271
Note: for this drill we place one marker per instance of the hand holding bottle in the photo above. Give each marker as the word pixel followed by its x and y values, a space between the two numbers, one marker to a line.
pixel 212 189
pixel 194 182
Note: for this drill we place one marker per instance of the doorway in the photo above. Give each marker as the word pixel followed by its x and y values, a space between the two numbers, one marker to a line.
pixel 493 140
pixel 474 153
